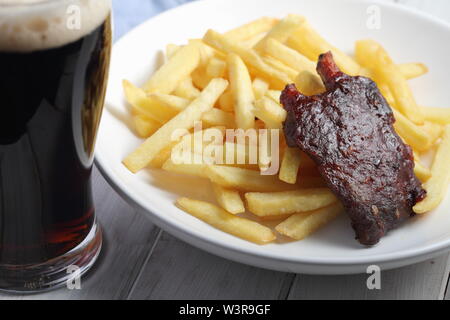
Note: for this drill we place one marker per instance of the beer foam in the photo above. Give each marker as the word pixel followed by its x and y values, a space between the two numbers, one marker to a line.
pixel 30 25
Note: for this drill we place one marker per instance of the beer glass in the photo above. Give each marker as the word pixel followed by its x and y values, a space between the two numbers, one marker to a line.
pixel 54 61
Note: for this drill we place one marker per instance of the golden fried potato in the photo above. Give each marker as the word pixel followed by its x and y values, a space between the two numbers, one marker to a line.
pixel 278 203
pixel 219 218
pixel 437 185
pixel 301 225
pixel 144 154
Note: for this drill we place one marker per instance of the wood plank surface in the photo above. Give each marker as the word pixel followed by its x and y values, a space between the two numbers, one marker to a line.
pixel 177 270
pixel 425 280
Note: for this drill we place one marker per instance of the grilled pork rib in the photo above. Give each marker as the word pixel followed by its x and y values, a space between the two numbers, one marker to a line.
pixel 348 131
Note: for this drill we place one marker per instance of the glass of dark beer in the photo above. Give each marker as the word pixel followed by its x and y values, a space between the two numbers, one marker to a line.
pixel 54 61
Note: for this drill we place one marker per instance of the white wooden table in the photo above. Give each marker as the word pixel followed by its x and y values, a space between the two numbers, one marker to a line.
pixel 140 261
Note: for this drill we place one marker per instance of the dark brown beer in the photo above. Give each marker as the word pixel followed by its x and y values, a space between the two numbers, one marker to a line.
pixel 51 101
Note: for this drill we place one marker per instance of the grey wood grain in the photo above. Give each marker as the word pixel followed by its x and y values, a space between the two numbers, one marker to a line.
pixel 128 239
pixel 446 290
pixel 420 281
pixel 177 270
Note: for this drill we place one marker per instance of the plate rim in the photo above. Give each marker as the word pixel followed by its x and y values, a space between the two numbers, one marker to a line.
pixel 148 208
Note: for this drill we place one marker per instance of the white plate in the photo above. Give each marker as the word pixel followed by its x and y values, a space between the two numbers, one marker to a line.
pixel 408 35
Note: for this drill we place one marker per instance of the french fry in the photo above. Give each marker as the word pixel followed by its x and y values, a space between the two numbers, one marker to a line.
pixel 241 88
pixel 373 56
pixel 218 117
pixel 216 68
pixel 365 72
pixel 309 43
pixel 433 130
pixel 421 172
pixel 144 126
pixel 144 154
pixel 400 89
pixel 289 56
pixel 245 179
pixel 162 156
pixel 236 154
pixel 260 88
pixel 270 112
pixel 290 165
pixel 250 43
pixel 437 115
pixel 279 203
pixel 178 68
pixel 176 103
pixel 265 143
pixel 196 143
pixel 309 83
pixel 364 51
pixel 200 78
pixel 437 185
pixel 413 134
pixel 191 169
pixel 301 225
pixel 412 70
pixel 264 150
pixel 226 101
pixel 185 89
pixel 280 66
pixel 408 70
pixel 282 30
pixel 229 199
pixel 387 93
pixel 274 218
pixel 382 86
pixel 219 218
pixel 144 105
pixel 251 29
pixel 247 166
pixel 250 57
pixel 274 95
pixel 213 117
pixel 171 49
pixel 206 52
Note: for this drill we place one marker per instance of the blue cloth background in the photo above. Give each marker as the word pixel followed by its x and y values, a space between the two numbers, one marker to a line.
pixel 130 13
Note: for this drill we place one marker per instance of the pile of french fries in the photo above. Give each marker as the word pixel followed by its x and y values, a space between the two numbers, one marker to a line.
pixel 233 81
